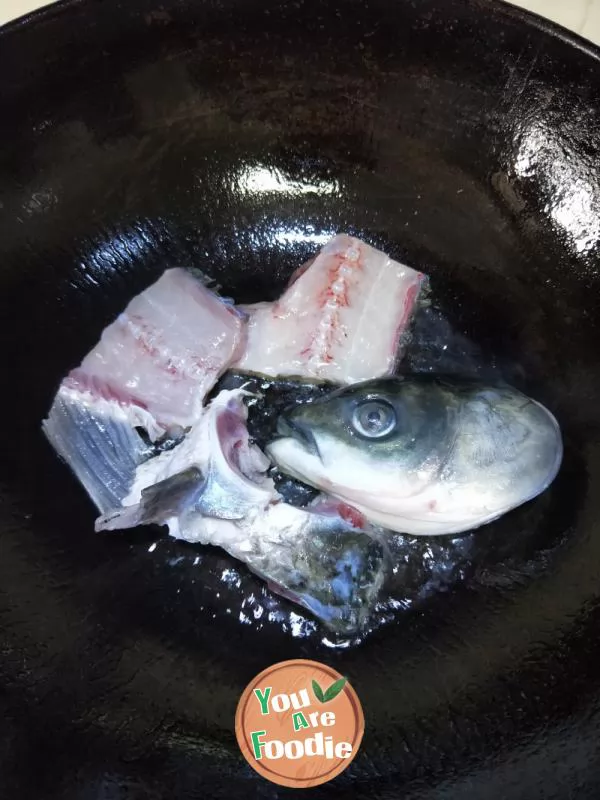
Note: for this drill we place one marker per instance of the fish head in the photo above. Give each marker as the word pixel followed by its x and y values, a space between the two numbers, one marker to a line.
pixel 371 437
pixel 422 455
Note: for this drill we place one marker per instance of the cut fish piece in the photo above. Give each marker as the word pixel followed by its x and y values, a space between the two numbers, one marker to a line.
pixel 341 319
pixel 213 489
pixel 315 557
pixel 164 353
pixel 214 471
pixel 152 370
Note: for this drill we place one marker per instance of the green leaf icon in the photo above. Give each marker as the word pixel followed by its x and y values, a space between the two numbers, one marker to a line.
pixel 318 692
pixel 334 689
pixel 331 693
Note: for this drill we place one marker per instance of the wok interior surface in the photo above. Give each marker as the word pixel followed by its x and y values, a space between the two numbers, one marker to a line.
pixel 463 138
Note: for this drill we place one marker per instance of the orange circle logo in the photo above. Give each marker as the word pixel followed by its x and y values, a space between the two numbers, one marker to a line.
pixel 299 723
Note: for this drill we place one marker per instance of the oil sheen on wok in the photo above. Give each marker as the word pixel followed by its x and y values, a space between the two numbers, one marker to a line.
pixel 228 425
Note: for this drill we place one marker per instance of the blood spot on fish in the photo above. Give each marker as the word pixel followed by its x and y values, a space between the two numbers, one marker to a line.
pixel 352 516
pixel 142 333
pixel 332 299
pixel 101 389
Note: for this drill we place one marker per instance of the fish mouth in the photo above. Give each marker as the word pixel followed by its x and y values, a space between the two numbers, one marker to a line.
pixel 289 427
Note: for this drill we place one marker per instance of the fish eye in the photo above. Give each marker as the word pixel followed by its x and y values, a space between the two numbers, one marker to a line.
pixel 374 419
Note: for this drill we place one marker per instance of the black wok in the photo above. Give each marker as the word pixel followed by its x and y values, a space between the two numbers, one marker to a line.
pixel 464 137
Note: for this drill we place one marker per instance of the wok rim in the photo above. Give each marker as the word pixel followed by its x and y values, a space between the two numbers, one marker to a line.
pixel 503 8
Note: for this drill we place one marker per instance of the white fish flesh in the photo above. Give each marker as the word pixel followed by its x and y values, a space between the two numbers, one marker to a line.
pixel 342 318
pixel 165 352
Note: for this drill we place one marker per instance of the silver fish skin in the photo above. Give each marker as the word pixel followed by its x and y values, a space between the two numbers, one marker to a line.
pixel 423 455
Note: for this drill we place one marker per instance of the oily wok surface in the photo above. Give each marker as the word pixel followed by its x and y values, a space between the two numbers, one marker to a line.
pixel 461 137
